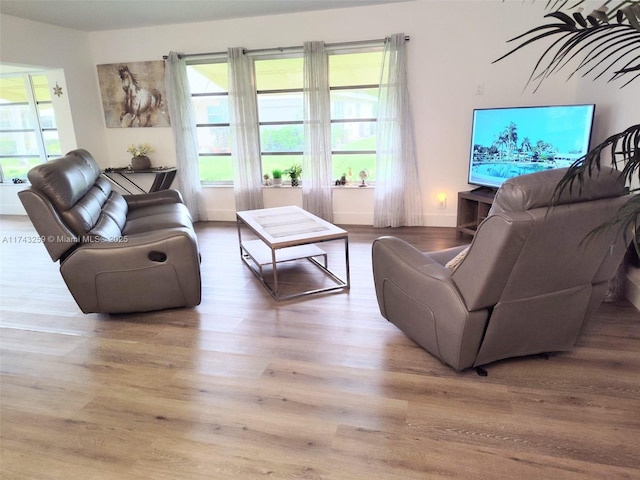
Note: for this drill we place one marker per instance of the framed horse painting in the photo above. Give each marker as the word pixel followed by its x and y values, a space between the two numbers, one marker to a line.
pixel 133 94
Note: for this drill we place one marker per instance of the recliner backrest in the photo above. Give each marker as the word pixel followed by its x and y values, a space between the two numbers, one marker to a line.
pixel 526 247
pixel 65 180
pixel 68 201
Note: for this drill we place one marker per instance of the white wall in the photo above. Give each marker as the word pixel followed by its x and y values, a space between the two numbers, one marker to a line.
pixel 450 53
pixel 23 42
pixel 66 56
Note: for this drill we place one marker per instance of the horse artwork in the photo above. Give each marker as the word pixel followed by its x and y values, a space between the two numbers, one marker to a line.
pixel 139 103
pixel 133 94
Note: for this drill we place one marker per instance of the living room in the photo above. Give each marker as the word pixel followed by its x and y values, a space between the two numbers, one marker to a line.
pixel 444 82
pixel 451 49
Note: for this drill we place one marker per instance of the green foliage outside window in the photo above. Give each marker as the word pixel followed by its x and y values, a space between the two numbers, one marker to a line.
pixel 353 78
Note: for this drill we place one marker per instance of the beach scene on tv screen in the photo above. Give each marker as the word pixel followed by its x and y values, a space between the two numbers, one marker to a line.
pixel 507 142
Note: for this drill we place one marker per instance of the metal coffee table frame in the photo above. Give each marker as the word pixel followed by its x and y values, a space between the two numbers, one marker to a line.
pixel 269 250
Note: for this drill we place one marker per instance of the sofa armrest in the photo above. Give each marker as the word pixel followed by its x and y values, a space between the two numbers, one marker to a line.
pixel 54 233
pixel 412 271
pixel 142 272
pixel 154 198
pixel 418 295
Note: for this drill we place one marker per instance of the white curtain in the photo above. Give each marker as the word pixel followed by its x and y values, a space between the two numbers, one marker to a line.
pixel 245 137
pixel 316 161
pixel 183 124
pixel 397 189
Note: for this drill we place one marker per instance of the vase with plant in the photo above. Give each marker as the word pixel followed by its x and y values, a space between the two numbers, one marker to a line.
pixel 294 173
pixel 139 157
pixel 277 177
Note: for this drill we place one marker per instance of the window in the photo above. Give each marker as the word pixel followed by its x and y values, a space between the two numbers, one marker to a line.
pixel 354 84
pixel 210 96
pixel 28 129
pixel 279 88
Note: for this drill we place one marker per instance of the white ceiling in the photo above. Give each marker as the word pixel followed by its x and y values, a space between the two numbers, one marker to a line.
pixel 95 15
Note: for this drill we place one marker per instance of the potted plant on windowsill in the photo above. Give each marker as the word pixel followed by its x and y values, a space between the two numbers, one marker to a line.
pixel 277 177
pixel 294 173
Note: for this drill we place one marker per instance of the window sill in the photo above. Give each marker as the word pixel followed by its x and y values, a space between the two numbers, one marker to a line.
pixel 7 183
pixel 288 187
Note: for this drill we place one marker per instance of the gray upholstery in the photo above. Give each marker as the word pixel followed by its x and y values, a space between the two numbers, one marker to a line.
pixel 531 277
pixel 117 253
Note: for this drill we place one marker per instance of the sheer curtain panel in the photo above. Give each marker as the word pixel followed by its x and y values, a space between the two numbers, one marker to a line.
pixel 245 138
pixel 397 198
pixel 183 124
pixel 316 161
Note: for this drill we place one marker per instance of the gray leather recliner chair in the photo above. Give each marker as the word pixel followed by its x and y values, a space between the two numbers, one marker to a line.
pixel 527 283
pixel 117 253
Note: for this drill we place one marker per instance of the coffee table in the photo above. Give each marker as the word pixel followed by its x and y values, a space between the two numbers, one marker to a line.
pixel 286 234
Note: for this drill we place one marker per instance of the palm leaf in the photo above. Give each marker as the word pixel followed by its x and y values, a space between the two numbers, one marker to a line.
pixel 622 148
pixel 589 41
pixel 606 40
pixel 626 221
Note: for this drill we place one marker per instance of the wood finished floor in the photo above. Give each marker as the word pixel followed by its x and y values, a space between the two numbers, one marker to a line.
pixel 242 387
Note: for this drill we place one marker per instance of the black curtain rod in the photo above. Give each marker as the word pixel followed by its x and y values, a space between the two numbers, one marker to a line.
pixel 283 49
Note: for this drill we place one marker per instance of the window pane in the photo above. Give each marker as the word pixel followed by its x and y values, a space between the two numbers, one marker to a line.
pixel 52 143
pixel 41 88
pixel 208 78
pixel 18 167
pixel 355 69
pixel 352 104
pixel 278 74
pixel 214 140
pixel 211 109
pixel 350 165
pixel 18 143
pixel 16 117
pixel 47 116
pixel 216 169
pixel 281 162
pixel 12 89
pixel 281 138
pixel 280 107
pixel 353 136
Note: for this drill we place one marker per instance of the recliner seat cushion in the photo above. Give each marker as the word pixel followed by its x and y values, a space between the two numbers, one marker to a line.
pixel 106 230
pixel 82 216
pixel 116 207
pixel 159 217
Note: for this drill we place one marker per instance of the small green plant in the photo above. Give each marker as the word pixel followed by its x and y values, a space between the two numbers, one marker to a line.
pixel 294 173
pixel 277 173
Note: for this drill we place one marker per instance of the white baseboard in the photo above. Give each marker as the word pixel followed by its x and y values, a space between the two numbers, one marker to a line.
pixel 632 286
pixel 9 202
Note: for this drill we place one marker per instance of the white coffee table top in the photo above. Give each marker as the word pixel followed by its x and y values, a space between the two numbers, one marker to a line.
pixel 281 227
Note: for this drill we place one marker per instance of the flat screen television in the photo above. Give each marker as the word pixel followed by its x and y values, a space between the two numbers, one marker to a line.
pixel 511 141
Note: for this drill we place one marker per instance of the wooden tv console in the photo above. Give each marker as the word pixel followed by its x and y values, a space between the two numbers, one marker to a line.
pixel 473 207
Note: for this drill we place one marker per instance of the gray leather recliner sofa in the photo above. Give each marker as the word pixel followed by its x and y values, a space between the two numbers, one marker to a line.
pixel 117 253
pixel 529 280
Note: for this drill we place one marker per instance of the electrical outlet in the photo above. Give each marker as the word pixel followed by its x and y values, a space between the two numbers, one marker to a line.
pixel 480 88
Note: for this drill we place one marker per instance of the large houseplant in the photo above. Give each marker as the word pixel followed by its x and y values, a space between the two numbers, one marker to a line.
pixel 604 42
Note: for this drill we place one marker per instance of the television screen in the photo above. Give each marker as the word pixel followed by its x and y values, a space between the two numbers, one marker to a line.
pixel 506 142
